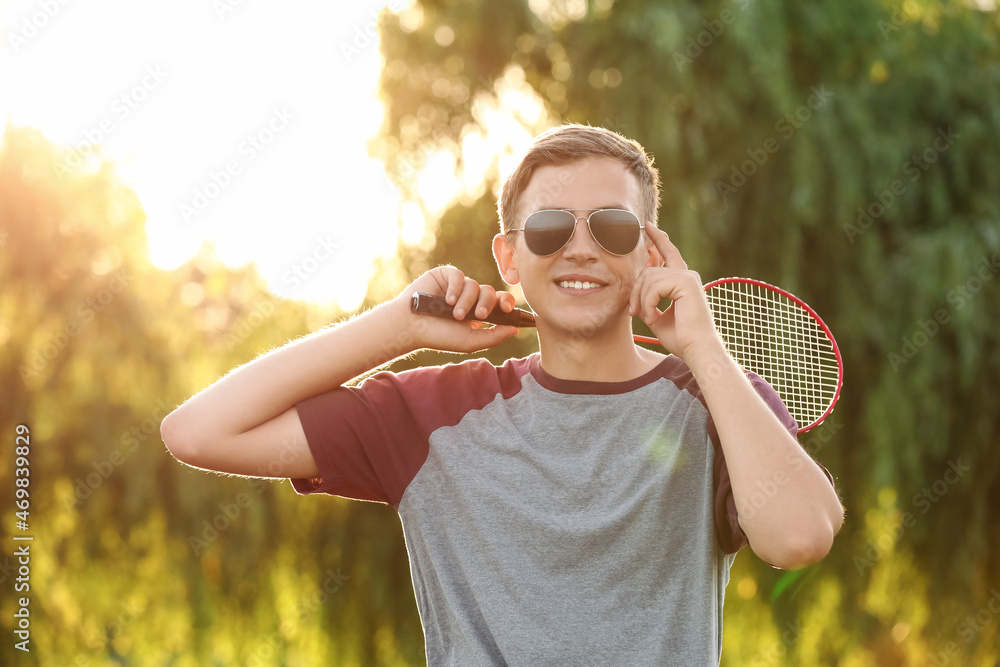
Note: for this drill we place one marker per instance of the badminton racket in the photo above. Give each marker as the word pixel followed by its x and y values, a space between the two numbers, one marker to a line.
pixel 767 330
pixel 778 336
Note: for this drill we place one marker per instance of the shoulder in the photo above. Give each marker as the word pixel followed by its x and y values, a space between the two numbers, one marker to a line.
pixel 675 370
pixel 464 385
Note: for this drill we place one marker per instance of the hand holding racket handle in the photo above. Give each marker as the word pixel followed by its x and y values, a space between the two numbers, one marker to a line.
pixel 430 304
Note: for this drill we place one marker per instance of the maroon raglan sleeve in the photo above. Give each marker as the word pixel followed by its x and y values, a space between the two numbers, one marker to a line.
pixel 727 524
pixel 370 441
pixel 364 439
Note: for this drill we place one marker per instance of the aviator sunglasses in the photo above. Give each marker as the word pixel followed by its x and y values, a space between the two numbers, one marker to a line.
pixel 547 232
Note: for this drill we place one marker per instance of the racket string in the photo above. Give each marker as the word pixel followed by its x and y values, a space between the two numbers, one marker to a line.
pixel 782 342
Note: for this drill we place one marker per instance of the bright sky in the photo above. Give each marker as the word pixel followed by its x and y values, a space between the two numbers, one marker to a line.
pixel 240 122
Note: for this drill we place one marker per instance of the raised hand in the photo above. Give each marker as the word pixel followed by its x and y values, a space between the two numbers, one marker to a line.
pixel 466 295
pixel 686 327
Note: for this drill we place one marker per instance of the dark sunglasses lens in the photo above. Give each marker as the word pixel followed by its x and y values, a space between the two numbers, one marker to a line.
pixel 616 231
pixel 545 232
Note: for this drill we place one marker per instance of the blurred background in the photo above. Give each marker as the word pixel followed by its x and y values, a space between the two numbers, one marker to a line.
pixel 186 186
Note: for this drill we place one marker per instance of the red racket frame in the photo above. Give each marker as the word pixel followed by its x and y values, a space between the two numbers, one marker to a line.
pixel 809 309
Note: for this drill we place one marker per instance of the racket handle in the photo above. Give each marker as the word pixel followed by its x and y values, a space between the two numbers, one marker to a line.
pixel 430 304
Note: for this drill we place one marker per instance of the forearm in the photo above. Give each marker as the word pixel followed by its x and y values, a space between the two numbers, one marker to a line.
pixel 254 394
pixel 787 506
pixel 271 384
pixel 247 424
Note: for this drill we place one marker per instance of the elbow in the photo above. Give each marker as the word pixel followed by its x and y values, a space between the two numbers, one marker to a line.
pixel 800 550
pixel 791 541
pixel 178 439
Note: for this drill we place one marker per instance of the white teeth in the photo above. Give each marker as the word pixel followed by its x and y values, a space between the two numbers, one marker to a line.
pixel 569 284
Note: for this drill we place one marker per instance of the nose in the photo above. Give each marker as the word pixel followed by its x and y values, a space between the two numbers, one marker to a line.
pixel 582 244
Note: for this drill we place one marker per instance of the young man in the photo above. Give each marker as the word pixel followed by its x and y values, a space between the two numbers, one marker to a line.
pixel 581 506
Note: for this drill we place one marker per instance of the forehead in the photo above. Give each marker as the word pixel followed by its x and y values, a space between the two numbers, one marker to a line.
pixel 586 184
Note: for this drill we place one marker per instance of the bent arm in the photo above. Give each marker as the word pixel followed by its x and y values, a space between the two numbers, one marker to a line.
pixel 246 423
pixel 795 524
pixel 787 507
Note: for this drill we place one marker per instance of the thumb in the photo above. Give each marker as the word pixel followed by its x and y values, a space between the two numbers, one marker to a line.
pixel 485 338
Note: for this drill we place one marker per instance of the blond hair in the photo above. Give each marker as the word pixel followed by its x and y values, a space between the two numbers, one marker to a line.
pixel 569 143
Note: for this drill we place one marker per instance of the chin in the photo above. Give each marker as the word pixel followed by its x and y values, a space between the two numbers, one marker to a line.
pixel 585 322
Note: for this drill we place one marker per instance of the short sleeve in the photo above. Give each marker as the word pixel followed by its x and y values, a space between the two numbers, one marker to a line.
pixel 370 441
pixel 365 441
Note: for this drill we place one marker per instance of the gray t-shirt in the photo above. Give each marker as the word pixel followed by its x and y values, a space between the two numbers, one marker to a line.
pixel 548 522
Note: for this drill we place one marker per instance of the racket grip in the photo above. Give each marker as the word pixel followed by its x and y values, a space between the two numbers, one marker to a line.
pixel 430 304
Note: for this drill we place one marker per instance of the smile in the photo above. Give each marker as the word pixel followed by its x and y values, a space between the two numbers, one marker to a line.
pixel 570 284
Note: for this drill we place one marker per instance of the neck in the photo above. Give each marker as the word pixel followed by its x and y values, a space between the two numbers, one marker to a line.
pixel 602 356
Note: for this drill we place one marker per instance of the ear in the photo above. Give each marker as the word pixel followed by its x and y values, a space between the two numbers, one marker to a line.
pixel 503 253
pixel 653 256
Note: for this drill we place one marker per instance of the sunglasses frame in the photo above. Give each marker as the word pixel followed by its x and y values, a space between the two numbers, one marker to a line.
pixel 576 220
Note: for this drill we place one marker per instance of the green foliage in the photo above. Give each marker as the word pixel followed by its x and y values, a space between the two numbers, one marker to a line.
pixel 137 559
pixel 848 152
pixel 876 204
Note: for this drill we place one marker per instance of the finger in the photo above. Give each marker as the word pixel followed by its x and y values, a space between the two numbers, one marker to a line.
pixel 672 258
pixel 492 337
pixel 466 299
pixel 487 299
pixel 649 302
pixel 652 286
pixel 651 311
pixel 456 281
pixel 635 297
pixel 507 301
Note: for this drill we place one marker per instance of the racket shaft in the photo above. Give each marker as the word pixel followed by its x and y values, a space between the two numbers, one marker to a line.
pixel 430 304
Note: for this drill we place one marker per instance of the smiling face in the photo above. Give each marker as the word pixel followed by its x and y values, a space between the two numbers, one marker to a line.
pixel 582 289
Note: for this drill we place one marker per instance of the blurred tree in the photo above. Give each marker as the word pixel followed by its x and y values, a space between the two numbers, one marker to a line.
pixel 136 558
pixel 848 152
